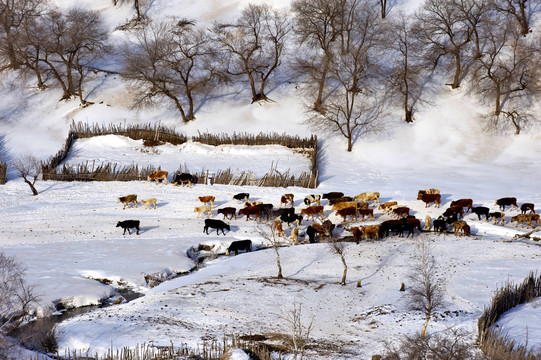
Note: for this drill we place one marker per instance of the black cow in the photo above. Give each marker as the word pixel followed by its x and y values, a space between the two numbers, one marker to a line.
pixel 440 226
pixel 239 245
pixel 507 201
pixel 311 232
pixel 266 209
pixel 215 224
pixel 241 196
pixel 290 217
pixel 332 195
pixel 183 179
pixel 283 212
pixel 481 210
pixel 527 207
pixel 129 224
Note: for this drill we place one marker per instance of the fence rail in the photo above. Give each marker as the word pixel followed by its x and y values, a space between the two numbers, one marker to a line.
pixel 154 135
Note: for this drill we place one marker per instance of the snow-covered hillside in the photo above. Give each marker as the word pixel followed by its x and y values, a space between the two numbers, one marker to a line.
pixel 66 236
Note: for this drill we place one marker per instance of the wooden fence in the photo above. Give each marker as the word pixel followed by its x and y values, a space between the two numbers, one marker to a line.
pixel 209 350
pixel 3 173
pixel 491 341
pixel 154 135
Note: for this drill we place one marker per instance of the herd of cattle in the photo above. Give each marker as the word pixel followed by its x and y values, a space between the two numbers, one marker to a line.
pixel 359 207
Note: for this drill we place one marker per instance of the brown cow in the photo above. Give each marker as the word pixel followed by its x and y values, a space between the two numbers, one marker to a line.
pixel 427 191
pixel 287 199
pixel 207 199
pixel 129 200
pixel 401 211
pixel 311 211
pixel 357 234
pixel 228 212
pixel 431 198
pixel 251 210
pixel 468 203
pixel 366 212
pixel 349 211
pixel 157 176
pixel 454 210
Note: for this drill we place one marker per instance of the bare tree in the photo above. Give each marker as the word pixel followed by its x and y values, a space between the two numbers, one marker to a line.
pixel 73 41
pixel 408 73
pixel 444 32
pixel 137 4
pixel 426 292
pixel 266 230
pixel 299 331
pixel 171 60
pixel 355 106
pixel 386 6
pixel 253 46
pixel 452 345
pixel 339 248
pixel 14 18
pixel 16 297
pixel 520 10
pixel 506 74
pixel 324 28
pixel 477 14
pixel 29 168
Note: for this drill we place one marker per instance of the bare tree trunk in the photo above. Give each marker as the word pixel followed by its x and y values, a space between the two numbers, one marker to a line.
pixel 280 276
pixel 458 71
pixel 31 184
pixel 343 282
pixel 318 104
pixel 498 104
pixel 383 8
pixel 57 76
pixel 523 18
pixel 425 325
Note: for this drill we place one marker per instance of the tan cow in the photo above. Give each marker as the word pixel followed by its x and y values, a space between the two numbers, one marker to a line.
pixel 278 227
pixel 201 210
pixel 522 219
pixel 344 205
pixel 157 176
pixel 386 206
pixel 149 202
pixel 371 231
pixel 369 196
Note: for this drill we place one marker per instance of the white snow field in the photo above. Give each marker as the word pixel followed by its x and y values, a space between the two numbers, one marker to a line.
pixel 67 238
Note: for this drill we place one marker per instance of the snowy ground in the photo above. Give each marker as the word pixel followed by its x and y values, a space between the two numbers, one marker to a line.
pixel 66 236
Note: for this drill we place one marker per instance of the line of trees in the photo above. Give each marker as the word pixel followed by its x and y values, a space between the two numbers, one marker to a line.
pixel 355 60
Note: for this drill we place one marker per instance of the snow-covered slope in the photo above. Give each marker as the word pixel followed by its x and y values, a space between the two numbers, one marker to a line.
pixel 66 236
